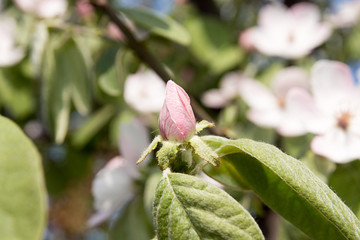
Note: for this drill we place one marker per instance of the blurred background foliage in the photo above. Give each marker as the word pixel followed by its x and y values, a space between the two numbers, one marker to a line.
pixel 67 94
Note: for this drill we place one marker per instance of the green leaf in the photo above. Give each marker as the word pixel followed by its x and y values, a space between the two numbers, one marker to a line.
pixel 58 92
pixel 132 223
pixel 213 44
pixel 159 24
pixel 16 93
pixel 202 125
pixel 167 154
pixel 287 186
pixel 204 151
pixel 78 76
pixel 186 207
pixel 345 181
pixel 92 126
pixel 149 190
pixel 149 149
pixel 109 71
pixel 66 79
pixel 226 58
pixel 23 194
pixel 38 45
pixel 321 166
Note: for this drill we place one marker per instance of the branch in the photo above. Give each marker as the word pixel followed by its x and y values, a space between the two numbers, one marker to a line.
pixel 138 47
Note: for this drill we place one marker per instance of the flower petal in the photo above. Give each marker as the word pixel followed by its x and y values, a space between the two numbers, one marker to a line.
pixel 214 98
pixel 257 95
pixel 112 186
pixel 231 83
pixel 176 121
pixel 337 145
pixel 270 118
pixel 289 78
pixel 144 91
pixel 301 104
pixel 331 83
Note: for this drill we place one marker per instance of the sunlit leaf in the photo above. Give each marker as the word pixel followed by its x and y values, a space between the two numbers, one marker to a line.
pixel 186 207
pixel 23 194
pixel 287 186
pixel 213 43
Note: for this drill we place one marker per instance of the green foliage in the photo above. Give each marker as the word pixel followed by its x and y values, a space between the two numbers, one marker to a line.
pixel 211 43
pixel 345 181
pixel 186 207
pixel 92 126
pixel 202 125
pixel 131 223
pixel 204 151
pixel 23 194
pixel 16 93
pixel 68 80
pixel 158 24
pixel 287 186
pixel 149 149
pixel 167 154
pixel 112 71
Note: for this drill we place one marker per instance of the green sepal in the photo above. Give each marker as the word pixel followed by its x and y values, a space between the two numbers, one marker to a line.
pixel 204 151
pixel 149 149
pixel 202 125
pixel 167 154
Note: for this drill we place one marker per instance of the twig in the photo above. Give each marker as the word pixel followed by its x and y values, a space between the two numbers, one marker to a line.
pixel 138 47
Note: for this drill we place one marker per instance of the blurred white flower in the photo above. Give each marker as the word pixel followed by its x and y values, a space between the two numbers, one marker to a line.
pixel 275 108
pixel 144 91
pixel 229 89
pixel 10 54
pixel 111 188
pixel 113 185
pixel 288 33
pixel 43 8
pixel 347 14
pixel 333 112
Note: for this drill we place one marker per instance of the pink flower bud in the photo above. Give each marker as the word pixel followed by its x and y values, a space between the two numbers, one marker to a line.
pixel 176 121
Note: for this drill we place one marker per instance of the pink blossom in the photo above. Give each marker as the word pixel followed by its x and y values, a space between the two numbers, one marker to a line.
pixel 229 89
pixel 245 39
pixel 176 121
pixel 333 111
pixel 43 8
pixel 275 108
pixel 288 33
pixel 84 8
